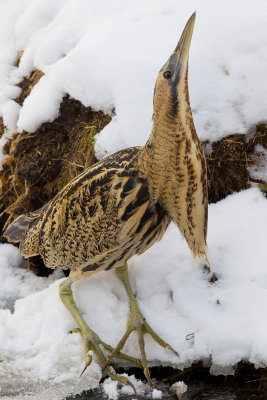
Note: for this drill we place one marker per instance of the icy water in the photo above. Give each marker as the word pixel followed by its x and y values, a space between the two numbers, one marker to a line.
pixel 194 392
pixel 247 384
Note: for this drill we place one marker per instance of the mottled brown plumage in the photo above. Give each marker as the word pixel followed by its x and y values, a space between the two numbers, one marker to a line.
pixel 124 203
pixel 98 221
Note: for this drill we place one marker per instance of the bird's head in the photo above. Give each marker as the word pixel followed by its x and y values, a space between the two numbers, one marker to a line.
pixel 171 93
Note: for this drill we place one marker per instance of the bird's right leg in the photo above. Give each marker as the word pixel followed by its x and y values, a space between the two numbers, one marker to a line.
pixel 90 339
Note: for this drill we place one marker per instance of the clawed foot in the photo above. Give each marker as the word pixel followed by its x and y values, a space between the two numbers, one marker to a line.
pixel 92 343
pixel 137 322
pixel 91 340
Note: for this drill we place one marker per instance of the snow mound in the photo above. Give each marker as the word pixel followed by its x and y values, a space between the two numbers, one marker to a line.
pixel 109 56
pixel 221 323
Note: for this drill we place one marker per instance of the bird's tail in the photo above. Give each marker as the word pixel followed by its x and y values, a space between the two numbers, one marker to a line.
pixel 16 231
pixel 25 230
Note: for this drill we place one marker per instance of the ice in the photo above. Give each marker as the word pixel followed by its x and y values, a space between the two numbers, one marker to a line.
pixel 156 394
pixel 110 388
pixel 178 388
pixel 113 389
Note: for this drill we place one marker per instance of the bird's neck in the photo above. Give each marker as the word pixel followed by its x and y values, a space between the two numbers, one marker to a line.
pixel 168 156
pixel 173 162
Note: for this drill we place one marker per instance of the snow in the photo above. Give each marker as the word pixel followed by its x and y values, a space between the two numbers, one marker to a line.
pixel 17 282
pixel 113 389
pixel 179 388
pixel 259 169
pixel 220 323
pixel 107 55
pixel 156 394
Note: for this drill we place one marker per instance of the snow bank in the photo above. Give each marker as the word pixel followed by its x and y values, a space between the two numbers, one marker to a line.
pixel 16 282
pixel 222 323
pixel 108 56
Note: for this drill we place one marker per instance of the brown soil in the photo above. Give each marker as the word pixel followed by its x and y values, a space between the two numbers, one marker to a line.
pixel 39 164
pixel 229 160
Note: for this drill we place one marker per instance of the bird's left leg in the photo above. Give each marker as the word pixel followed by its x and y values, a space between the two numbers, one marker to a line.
pixel 136 321
pixel 91 340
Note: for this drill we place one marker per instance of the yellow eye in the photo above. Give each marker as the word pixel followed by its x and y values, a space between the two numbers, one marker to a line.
pixel 167 74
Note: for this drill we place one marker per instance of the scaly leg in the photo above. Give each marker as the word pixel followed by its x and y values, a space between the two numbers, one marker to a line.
pixel 136 321
pixel 90 339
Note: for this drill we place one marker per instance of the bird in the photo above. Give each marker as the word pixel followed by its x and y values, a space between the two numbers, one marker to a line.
pixel 123 204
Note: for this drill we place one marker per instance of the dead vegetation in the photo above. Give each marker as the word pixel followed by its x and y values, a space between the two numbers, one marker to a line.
pixel 2 128
pixel 39 164
pixel 27 85
pixel 229 161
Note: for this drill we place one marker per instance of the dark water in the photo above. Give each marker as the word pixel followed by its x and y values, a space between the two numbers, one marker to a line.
pixel 247 384
pixel 194 392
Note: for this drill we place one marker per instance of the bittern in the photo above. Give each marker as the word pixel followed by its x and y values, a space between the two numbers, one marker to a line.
pixel 123 204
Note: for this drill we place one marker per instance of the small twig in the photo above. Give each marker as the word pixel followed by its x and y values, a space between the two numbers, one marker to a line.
pixel 253 380
pixel 178 374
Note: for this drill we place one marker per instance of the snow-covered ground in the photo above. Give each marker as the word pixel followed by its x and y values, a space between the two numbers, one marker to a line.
pixel 175 297
pixel 107 55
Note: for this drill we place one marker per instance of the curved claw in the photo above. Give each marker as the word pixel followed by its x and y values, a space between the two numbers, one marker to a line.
pixel 91 340
pixel 158 339
pixel 88 362
pixel 76 330
pixel 141 326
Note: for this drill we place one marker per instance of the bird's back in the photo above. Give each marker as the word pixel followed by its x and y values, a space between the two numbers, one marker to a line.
pixel 98 221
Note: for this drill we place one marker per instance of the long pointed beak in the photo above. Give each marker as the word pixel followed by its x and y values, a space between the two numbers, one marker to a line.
pixel 182 49
pixel 177 62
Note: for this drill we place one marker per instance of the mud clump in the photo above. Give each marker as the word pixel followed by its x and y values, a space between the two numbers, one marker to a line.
pixel 40 164
pixel 228 162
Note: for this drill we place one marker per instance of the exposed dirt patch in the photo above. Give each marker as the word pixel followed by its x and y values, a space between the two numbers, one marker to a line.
pixel 229 160
pixel 39 164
